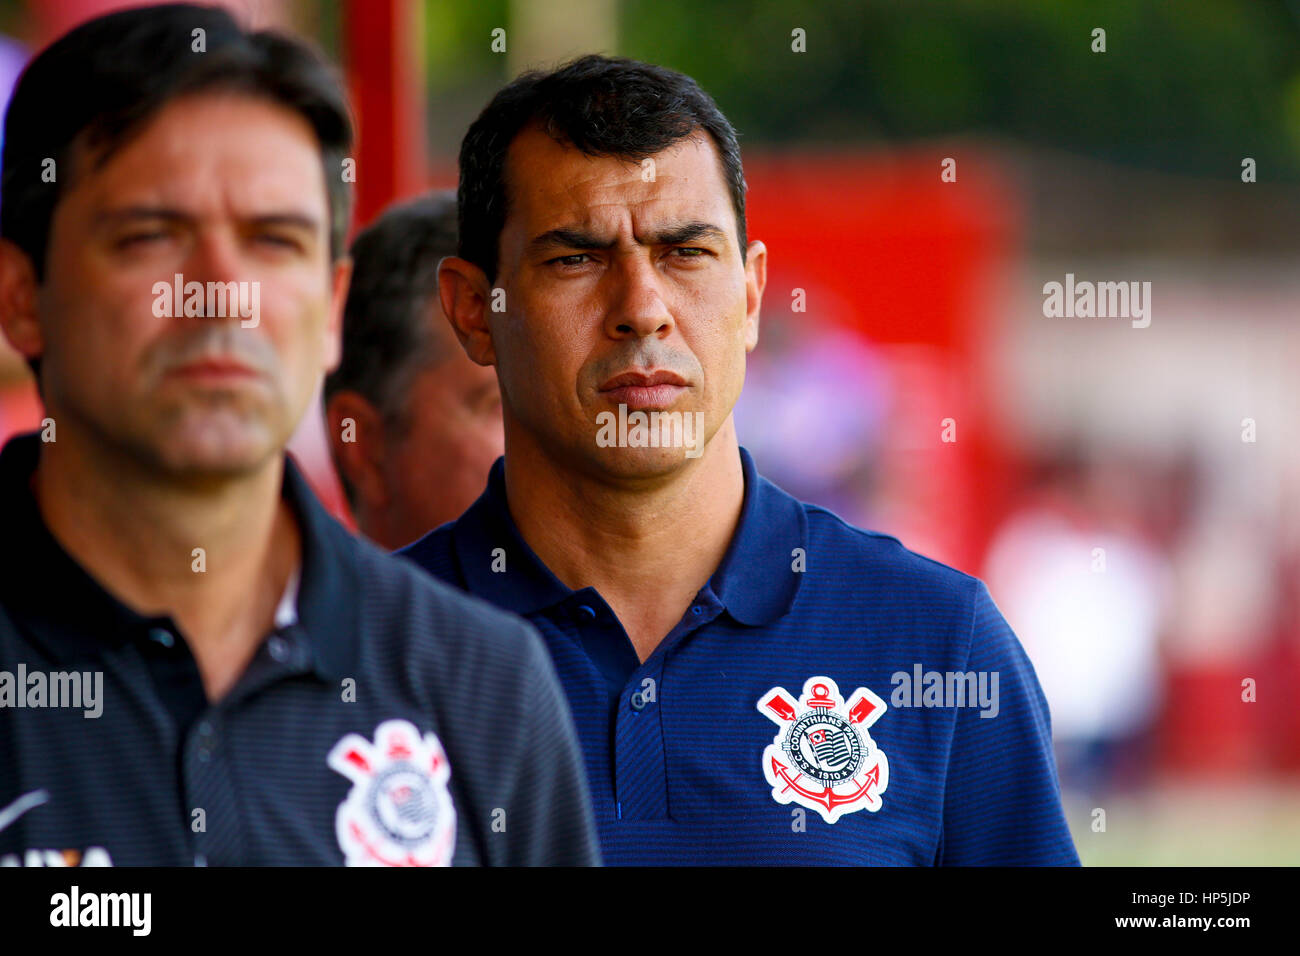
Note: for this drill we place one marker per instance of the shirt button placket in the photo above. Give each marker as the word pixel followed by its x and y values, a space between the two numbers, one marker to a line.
pixel 640 780
pixel 217 831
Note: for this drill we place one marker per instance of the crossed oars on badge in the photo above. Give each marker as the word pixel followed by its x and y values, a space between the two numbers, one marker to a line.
pixel 784 707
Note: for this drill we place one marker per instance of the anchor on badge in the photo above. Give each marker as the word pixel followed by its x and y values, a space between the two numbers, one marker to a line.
pixel 822 757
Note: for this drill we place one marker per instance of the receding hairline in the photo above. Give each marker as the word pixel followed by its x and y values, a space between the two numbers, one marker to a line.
pixel 85 149
pixel 87 157
pixel 699 136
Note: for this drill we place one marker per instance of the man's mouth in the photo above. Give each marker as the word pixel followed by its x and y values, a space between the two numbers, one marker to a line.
pixel 214 371
pixel 649 389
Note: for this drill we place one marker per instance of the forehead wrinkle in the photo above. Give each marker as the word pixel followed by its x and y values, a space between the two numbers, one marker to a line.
pixel 166 165
pixel 636 217
pixel 596 169
pixel 207 205
pixel 564 189
pixel 211 193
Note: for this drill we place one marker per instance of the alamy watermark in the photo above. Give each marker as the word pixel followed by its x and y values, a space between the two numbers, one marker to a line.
pixel 74 689
pixel 651 430
pixel 128 910
pixel 1099 300
pixel 922 688
pixel 208 300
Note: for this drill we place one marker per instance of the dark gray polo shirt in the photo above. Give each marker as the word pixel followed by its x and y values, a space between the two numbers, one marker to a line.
pixel 390 720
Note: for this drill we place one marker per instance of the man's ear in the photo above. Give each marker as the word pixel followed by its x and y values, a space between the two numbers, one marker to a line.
pixel 463 292
pixel 356 436
pixel 18 301
pixel 755 283
pixel 340 280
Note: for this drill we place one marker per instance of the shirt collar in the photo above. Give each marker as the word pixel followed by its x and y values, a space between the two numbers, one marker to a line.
pixel 328 595
pixel 756 581
pixel 286 613
pixel 72 616
pixel 498 564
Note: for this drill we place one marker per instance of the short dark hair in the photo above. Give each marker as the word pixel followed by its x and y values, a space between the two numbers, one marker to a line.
pixel 603 106
pixel 95 88
pixel 387 337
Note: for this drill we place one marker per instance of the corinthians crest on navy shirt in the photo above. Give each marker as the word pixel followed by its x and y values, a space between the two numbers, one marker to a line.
pixel 661 771
pixel 822 757
pixel 399 811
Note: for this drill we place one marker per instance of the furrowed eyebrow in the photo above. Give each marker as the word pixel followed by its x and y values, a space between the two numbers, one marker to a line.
pixel 688 232
pixel 668 236
pixel 127 214
pixel 568 239
pixel 292 219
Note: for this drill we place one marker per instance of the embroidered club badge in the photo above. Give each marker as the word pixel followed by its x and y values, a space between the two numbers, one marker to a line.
pixel 399 810
pixel 822 757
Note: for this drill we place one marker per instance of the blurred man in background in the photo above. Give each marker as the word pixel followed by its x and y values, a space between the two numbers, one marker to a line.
pixel 413 424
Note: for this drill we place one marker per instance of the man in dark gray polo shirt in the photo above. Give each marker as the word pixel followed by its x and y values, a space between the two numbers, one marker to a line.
pixel 197 664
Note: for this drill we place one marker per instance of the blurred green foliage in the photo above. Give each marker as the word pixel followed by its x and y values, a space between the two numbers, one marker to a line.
pixel 1184 85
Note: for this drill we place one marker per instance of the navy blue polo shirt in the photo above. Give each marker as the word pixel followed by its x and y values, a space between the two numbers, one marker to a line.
pixel 829 697
pixel 386 719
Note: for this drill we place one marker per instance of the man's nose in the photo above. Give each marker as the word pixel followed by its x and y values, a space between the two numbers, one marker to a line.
pixel 215 258
pixel 638 309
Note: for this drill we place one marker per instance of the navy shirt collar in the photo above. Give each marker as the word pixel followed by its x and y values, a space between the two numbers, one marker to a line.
pixel 55 601
pixel 756 581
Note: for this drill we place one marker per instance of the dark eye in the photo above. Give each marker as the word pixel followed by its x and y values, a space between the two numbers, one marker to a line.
pixel 573 259
pixel 277 241
pixel 139 238
pixel 690 252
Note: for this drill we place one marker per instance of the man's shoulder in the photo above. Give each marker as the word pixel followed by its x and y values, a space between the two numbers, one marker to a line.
pixel 435 553
pixel 437 635
pixel 856 551
pixel 395 581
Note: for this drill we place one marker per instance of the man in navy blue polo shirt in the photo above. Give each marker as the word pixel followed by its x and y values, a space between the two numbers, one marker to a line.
pixel 197 664
pixel 753 680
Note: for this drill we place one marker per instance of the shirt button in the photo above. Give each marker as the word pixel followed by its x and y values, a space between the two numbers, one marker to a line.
pixel 638 700
pixel 207 739
pixel 587 613
pixel 697 610
pixel 160 635
pixel 278 648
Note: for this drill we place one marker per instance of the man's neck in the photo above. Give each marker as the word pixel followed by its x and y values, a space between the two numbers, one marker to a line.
pixel 137 533
pixel 647 547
